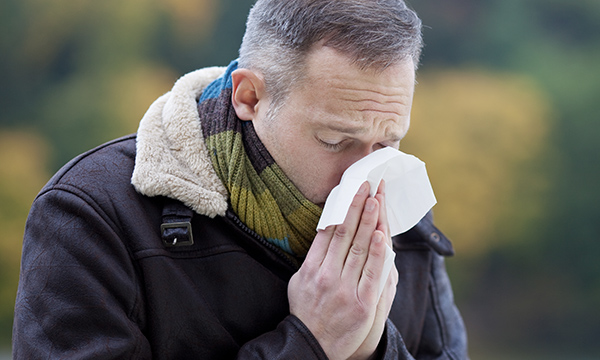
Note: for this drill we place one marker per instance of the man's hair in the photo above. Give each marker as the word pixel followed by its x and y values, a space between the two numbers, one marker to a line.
pixel 374 34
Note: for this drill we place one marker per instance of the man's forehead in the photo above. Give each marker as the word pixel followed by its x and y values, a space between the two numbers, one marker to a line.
pixel 327 63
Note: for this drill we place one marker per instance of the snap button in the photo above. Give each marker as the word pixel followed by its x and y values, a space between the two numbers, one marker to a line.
pixel 434 237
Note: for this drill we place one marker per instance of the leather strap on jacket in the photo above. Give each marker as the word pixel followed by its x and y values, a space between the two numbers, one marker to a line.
pixel 176 227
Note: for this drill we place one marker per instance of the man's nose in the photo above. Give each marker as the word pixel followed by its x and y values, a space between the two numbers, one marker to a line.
pixel 368 149
pixel 362 152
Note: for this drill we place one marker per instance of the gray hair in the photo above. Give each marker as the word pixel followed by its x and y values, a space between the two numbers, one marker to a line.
pixel 375 34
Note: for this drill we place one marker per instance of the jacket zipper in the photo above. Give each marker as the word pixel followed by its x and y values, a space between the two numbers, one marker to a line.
pixel 260 239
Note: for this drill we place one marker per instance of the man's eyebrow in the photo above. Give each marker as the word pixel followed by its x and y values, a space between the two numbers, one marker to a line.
pixel 357 130
pixel 347 129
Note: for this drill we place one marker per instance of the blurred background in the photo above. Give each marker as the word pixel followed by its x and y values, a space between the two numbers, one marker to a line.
pixel 506 116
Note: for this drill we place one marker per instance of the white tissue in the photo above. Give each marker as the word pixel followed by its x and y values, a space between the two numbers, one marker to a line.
pixel 408 194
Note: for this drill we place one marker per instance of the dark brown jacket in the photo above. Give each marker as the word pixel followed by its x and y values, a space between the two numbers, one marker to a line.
pixel 100 279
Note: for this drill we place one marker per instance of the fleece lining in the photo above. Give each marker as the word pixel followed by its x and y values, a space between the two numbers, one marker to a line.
pixel 171 157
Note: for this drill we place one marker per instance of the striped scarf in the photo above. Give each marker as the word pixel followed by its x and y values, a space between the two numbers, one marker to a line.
pixel 260 193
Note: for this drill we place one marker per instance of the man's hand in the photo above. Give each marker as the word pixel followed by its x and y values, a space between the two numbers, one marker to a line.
pixel 335 291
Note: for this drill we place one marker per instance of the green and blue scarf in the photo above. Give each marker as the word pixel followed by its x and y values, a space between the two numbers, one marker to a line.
pixel 260 193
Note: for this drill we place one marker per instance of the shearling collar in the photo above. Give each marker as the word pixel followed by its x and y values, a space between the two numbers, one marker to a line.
pixel 171 158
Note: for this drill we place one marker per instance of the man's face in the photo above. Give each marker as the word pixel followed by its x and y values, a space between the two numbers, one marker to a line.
pixel 339 115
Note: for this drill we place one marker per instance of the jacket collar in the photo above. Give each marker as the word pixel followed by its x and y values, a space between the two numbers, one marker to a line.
pixel 171 157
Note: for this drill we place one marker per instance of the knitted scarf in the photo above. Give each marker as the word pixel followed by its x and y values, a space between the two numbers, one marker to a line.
pixel 260 193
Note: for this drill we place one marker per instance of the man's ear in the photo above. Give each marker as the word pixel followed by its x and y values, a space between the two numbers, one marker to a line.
pixel 247 93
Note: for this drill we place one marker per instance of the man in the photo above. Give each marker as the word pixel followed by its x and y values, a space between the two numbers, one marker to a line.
pixel 196 239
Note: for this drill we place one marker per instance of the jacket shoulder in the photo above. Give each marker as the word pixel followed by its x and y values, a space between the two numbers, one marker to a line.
pixel 102 166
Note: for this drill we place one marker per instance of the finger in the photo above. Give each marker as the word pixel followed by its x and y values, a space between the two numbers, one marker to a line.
pixel 320 245
pixel 389 292
pixel 385 303
pixel 359 250
pixel 383 224
pixel 381 187
pixel 371 273
pixel 344 233
pixel 390 286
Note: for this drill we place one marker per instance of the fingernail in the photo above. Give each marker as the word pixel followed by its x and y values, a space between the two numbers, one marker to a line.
pixel 363 188
pixel 370 205
pixel 377 237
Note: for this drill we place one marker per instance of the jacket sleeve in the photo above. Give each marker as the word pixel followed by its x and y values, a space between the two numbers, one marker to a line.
pixel 77 292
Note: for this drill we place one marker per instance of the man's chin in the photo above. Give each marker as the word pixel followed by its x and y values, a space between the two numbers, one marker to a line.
pixel 318 200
